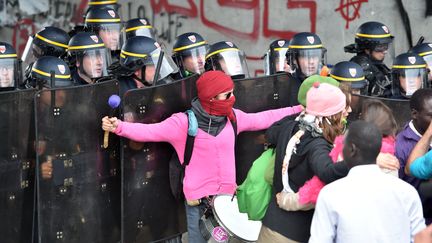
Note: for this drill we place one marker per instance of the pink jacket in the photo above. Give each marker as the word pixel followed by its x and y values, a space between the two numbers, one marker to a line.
pixel 308 193
pixel 211 170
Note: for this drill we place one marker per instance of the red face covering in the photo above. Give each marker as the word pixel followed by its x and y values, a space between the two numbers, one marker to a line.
pixel 209 85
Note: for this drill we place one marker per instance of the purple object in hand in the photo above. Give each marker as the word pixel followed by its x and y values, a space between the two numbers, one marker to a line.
pixel 114 101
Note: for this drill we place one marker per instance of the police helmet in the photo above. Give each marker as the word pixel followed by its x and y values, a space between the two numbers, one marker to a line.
pixel 227 57
pixel 50 72
pixel 275 59
pixel 139 27
pixel 409 73
pixel 50 41
pixel 107 24
pixel 350 73
pixel 374 36
pixel 190 45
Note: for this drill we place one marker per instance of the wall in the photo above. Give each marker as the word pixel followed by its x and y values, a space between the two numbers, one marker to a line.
pixel 250 24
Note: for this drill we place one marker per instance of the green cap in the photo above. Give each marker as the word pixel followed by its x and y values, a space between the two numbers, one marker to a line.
pixel 307 84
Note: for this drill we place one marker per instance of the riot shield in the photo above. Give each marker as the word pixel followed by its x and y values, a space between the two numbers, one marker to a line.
pixel 17 159
pixel 150 211
pixel 401 108
pixel 78 181
pixel 255 95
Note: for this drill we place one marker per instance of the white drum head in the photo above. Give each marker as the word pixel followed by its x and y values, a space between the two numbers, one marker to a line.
pixel 228 215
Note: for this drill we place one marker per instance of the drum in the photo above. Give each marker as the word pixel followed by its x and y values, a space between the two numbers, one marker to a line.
pixel 223 222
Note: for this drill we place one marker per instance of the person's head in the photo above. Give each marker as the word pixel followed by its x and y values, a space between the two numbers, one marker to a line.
pixel 362 144
pixel 140 55
pixel 373 38
pixel 425 50
pixel 215 93
pixel 378 113
pixel 275 59
pixel 328 104
pixel 189 53
pixel 226 57
pixel 50 41
pixel 306 54
pixel 49 72
pixel 421 109
pixel 107 24
pixel 89 55
pixel 409 73
pixel 350 74
pixel 139 27
pixel 9 67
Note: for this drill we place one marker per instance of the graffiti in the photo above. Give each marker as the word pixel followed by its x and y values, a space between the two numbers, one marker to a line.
pixel 349 9
pixel 21 31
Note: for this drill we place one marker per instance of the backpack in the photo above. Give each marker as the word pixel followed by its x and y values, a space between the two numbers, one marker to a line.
pixel 176 169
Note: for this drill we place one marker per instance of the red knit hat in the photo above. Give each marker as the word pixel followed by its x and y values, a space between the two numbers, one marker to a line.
pixel 212 83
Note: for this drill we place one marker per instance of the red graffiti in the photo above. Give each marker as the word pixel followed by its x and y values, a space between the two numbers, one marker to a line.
pixel 78 16
pixel 242 4
pixel 350 10
pixel 21 31
pixel 291 4
pixel 191 11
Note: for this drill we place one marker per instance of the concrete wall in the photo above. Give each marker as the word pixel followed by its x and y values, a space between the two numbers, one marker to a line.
pixel 250 24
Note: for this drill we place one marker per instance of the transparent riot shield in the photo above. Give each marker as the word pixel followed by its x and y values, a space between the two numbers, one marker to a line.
pixel 401 108
pixel 78 181
pixel 17 160
pixel 150 211
pixel 255 95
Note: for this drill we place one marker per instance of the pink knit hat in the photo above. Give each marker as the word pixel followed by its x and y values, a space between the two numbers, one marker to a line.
pixel 324 99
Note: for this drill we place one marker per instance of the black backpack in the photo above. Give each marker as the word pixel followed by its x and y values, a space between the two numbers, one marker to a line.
pixel 177 170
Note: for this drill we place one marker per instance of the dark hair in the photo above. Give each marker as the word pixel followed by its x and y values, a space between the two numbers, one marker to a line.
pixel 378 113
pixel 367 139
pixel 419 97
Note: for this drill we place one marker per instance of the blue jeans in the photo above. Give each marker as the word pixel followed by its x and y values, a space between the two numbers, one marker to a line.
pixel 193 215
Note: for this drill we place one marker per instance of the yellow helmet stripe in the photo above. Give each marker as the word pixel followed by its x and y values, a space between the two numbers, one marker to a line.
pixel 409 66
pixel 347 79
pixel 132 54
pixel 8 55
pixel 222 50
pixel 49 75
pixel 85 47
pixel 139 27
pixel 102 2
pixel 425 53
pixel 189 46
pixel 51 42
pixel 281 48
pixel 102 20
pixel 372 36
pixel 305 47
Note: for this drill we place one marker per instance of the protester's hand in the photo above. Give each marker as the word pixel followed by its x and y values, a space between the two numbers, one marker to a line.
pixel 388 161
pixel 424 236
pixel 46 168
pixel 109 124
pixel 429 130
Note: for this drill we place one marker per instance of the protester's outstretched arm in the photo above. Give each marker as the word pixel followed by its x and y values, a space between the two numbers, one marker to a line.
pixel 418 153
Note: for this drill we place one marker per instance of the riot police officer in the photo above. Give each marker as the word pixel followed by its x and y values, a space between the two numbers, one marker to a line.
pixel 189 53
pixel 306 56
pixel 89 57
pixel 138 60
pixel 371 45
pixel 106 23
pixel 49 72
pixel 10 72
pixel 425 50
pixel 139 27
pixel 408 74
pixel 50 41
pixel 275 58
pixel 350 74
pixel 227 57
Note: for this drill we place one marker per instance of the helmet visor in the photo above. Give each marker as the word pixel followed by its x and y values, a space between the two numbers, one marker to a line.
pixel 428 60
pixel 145 31
pixel 167 66
pixel 111 36
pixel 8 72
pixel 194 60
pixel 310 61
pixel 96 62
pixel 411 80
pixel 280 61
pixel 233 63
